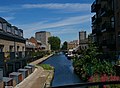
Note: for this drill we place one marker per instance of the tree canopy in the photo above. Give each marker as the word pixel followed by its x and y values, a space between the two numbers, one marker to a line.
pixel 55 42
pixel 64 46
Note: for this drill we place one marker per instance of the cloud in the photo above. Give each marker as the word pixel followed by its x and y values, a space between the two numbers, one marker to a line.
pixel 31 28
pixel 66 6
pixel 4 9
pixel 64 22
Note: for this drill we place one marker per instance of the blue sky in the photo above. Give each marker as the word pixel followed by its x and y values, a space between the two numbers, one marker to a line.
pixel 63 18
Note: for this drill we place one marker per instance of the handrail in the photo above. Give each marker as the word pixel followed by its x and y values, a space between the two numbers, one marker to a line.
pixel 88 84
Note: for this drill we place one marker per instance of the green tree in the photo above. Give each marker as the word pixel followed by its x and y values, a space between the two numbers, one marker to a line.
pixel 55 42
pixel 64 46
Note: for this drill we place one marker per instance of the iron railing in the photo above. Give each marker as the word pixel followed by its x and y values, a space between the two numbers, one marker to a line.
pixel 88 85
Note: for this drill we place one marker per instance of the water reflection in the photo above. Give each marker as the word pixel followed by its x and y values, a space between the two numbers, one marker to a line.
pixel 64 73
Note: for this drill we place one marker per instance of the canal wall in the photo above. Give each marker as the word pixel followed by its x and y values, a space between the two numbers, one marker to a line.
pixel 40 78
pixel 40 60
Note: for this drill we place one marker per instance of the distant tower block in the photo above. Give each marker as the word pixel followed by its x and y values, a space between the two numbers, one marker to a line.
pixel 82 35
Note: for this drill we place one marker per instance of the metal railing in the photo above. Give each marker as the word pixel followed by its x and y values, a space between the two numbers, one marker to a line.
pixel 89 84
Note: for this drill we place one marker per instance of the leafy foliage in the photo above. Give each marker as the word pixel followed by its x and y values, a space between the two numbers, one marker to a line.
pixel 64 46
pixel 54 42
pixel 90 64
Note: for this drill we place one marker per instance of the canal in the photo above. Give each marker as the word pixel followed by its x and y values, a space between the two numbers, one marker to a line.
pixel 64 73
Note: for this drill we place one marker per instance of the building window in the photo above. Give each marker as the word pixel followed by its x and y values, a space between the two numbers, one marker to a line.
pixel 0 25
pixel 23 48
pixel 1 48
pixel 13 30
pixel 112 3
pixel 11 48
pixel 117 4
pixel 16 32
pixel 8 29
pixel 18 48
pixel 4 27
pixel 112 22
pixel 118 19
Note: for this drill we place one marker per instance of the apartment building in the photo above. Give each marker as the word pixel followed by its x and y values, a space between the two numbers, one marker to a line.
pixel 43 37
pixel 83 41
pixel 117 24
pixel 105 25
pixel 12 47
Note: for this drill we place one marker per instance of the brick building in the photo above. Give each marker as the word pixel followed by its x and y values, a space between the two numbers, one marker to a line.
pixel 12 47
pixel 36 42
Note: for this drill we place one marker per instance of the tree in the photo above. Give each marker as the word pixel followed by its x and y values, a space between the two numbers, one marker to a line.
pixel 55 42
pixel 64 46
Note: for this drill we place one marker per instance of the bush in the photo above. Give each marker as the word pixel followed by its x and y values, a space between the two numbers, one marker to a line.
pixel 90 64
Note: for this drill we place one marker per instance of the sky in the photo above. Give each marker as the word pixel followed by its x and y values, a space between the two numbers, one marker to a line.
pixel 63 18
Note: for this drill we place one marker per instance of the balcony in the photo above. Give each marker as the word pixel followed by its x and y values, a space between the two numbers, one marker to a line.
pixel 96 31
pixel 110 43
pixel 105 12
pixel 107 26
pixel 95 7
pixel 96 20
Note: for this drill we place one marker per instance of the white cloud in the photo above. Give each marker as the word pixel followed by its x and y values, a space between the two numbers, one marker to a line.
pixel 66 6
pixel 64 22
pixel 5 9
pixel 29 29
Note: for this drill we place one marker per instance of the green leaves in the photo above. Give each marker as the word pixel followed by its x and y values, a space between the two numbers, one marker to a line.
pixel 91 64
pixel 54 42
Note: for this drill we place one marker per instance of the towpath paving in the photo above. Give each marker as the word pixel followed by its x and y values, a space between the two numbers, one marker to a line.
pixel 38 78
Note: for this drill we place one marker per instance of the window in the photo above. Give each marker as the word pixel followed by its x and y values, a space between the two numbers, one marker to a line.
pixel 18 48
pixel 4 27
pixel 1 48
pixel 8 29
pixel 23 48
pixel 0 25
pixel 13 30
pixel 21 33
pixel 16 32
pixel 117 4
pixel 11 48
pixel 118 19
pixel 112 22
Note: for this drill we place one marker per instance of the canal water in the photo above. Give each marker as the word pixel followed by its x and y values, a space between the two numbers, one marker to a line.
pixel 64 74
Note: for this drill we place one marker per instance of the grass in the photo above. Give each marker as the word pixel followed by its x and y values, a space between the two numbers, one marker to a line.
pixel 46 66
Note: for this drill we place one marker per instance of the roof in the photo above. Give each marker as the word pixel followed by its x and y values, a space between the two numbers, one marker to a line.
pixel 7 79
pixel 3 20
pixel 15 73
pixel 41 32
pixel 43 45
pixel 28 67
pixel 38 41
pixel 22 69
